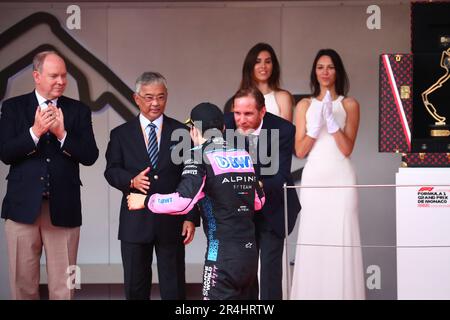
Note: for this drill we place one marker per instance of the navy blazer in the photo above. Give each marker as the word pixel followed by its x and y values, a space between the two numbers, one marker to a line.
pixel 273 209
pixel 28 161
pixel 126 156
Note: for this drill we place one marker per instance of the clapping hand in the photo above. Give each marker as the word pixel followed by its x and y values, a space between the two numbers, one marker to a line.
pixel 332 125
pixel 43 120
pixel 57 127
pixel 315 120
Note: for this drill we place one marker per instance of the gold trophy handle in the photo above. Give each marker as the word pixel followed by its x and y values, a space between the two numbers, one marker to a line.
pixel 445 63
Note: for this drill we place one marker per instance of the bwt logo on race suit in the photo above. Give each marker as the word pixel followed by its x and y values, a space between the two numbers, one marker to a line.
pixel 234 162
pixel 165 200
pixel 237 161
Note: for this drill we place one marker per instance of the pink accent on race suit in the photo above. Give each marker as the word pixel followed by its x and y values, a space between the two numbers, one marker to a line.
pixel 230 161
pixel 259 202
pixel 173 203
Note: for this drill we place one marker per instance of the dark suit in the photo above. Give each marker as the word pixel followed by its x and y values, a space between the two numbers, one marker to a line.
pixel 28 162
pixel 32 219
pixel 270 225
pixel 139 231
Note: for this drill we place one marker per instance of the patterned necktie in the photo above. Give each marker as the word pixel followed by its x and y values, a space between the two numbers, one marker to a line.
pixel 152 148
pixel 47 102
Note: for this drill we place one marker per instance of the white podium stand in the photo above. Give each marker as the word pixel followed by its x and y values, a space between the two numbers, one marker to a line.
pixel 423 234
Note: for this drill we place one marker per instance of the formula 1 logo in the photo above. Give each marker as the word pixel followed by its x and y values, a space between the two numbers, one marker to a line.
pixel 430 197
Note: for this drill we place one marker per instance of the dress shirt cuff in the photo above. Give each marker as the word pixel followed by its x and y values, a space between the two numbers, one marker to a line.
pixel 33 136
pixel 63 139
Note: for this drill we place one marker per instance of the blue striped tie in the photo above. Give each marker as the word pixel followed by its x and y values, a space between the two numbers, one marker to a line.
pixel 152 148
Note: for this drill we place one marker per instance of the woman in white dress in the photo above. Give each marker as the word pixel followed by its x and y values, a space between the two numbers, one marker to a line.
pixel 328 262
pixel 262 70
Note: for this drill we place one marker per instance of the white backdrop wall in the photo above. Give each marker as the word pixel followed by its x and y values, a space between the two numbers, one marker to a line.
pixel 200 48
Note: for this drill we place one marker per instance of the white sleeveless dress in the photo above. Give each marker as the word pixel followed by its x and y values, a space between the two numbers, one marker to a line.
pixel 271 103
pixel 327 266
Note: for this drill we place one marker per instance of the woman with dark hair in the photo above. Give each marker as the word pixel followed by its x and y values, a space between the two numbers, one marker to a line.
pixel 328 263
pixel 262 70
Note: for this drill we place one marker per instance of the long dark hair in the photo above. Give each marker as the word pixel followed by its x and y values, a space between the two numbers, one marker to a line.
pixel 341 85
pixel 249 64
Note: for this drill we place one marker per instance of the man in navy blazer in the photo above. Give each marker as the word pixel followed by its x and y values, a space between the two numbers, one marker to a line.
pixel 44 136
pixel 272 153
pixel 129 169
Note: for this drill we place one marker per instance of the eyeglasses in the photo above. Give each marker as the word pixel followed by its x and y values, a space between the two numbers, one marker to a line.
pixel 149 99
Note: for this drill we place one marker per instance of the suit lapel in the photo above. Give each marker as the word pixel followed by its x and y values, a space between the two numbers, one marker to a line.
pixel 137 142
pixel 62 104
pixel 31 108
pixel 265 143
pixel 266 126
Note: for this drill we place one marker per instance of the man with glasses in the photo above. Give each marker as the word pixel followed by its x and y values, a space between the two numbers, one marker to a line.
pixel 139 160
pixel 222 180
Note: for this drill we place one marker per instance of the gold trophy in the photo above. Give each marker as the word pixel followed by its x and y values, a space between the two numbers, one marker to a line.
pixel 440 128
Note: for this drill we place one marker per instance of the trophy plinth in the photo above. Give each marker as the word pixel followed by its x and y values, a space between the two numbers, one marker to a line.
pixel 439 130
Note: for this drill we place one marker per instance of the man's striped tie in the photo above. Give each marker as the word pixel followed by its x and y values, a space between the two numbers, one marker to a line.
pixel 152 148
